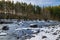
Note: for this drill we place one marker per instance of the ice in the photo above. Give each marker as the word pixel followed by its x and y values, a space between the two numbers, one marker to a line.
pixel 21 31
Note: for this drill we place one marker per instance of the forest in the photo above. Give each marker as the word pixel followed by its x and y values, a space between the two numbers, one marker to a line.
pixel 11 10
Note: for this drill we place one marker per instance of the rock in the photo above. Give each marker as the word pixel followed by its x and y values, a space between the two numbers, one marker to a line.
pixel 47 32
pixel 17 37
pixel 42 30
pixel 5 28
pixel 53 27
pixel 34 26
pixel 44 37
pixel 54 33
pixel 57 39
pixel 59 35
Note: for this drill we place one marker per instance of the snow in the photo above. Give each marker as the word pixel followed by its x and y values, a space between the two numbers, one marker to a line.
pixel 49 35
pixel 2 34
pixel 22 31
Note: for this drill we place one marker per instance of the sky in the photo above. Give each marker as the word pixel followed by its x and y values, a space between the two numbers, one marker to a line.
pixel 41 2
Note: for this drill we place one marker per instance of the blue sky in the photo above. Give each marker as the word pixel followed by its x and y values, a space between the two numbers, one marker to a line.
pixel 41 2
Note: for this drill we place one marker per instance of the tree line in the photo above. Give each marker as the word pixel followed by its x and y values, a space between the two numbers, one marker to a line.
pixel 54 12
pixel 29 11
